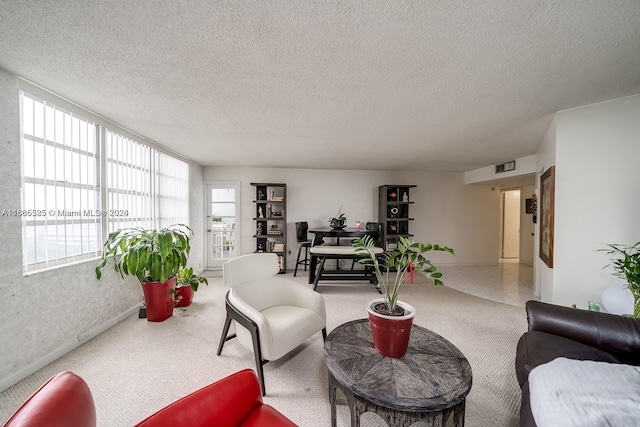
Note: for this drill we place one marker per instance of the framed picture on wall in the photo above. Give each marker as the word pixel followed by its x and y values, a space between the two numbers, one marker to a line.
pixel 547 195
pixel 528 204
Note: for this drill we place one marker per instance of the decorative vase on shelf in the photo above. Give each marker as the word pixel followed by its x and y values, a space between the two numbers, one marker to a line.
pixel 391 333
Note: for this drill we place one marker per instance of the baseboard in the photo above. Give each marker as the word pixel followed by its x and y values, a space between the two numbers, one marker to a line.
pixel 40 363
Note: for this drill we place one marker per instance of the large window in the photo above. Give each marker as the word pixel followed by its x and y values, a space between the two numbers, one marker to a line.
pixel 129 192
pixel 81 179
pixel 172 177
pixel 59 185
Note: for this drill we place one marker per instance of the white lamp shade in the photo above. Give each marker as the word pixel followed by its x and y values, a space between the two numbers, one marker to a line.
pixel 618 299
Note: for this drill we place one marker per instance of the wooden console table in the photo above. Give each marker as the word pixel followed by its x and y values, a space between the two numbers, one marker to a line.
pixel 430 383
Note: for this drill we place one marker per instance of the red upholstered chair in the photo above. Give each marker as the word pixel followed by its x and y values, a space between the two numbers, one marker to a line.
pixel 63 401
pixel 231 402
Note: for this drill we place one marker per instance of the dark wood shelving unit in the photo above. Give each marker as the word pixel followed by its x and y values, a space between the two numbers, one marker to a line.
pixel 394 202
pixel 270 220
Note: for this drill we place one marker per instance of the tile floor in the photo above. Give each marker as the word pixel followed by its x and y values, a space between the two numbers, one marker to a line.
pixel 507 282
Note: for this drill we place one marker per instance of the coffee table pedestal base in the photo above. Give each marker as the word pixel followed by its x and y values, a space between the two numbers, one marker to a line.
pixel 448 417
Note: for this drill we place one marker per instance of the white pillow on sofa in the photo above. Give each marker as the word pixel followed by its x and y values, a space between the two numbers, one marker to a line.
pixel 567 392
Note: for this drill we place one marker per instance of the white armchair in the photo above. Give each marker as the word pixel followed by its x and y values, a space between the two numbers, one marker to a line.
pixel 271 315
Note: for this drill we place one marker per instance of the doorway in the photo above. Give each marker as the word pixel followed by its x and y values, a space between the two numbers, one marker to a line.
pixel 510 201
pixel 222 220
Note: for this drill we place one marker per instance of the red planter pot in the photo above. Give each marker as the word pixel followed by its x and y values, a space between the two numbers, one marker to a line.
pixel 187 296
pixel 391 334
pixel 158 299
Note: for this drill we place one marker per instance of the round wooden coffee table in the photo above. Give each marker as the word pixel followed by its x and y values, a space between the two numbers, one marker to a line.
pixel 430 383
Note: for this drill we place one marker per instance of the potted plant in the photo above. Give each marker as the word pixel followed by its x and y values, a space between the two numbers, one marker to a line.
pixel 391 319
pixel 154 257
pixel 338 221
pixel 186 284
pixel 626 265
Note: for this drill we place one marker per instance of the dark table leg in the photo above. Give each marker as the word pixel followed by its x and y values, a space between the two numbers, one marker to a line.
pixel 312 268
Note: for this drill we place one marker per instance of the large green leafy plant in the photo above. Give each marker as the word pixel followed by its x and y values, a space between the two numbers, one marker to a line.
pixel 409 256
pixel 149 255
pixel 626 265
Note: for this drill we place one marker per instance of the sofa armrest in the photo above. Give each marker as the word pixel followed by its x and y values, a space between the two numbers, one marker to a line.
pixel 225 403
pixel 607 332
pixel 63 401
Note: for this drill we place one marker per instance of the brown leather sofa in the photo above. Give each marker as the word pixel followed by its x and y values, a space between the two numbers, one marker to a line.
pixel 557 331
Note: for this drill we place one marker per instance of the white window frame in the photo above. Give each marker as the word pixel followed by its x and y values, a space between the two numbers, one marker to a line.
pixel 160 180
pixel 65 176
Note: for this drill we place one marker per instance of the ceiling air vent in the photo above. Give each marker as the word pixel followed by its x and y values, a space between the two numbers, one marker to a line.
pixel 506 167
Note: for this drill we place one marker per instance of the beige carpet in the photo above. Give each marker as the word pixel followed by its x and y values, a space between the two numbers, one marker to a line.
pixel 138 367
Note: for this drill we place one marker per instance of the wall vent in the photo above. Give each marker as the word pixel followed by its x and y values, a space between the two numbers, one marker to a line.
pixel 506 167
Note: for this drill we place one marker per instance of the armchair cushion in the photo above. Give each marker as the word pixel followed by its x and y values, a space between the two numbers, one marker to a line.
pixel 286 313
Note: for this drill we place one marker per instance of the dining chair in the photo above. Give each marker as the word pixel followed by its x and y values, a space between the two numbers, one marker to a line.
pixel 302 238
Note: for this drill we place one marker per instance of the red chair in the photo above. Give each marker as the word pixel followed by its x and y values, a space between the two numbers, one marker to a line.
pixel 231 402
pixel 65 401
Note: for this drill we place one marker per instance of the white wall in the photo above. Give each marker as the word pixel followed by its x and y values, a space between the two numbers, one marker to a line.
pixel 47 314
pixel 546 157
pixel 446 211
pixel 597 198
pixel 527 229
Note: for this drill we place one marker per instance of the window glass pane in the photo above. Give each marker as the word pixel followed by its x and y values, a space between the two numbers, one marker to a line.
pixel 129 198
pixel 58 185
pixel 223 194
pixel 223 209
pixel 172 177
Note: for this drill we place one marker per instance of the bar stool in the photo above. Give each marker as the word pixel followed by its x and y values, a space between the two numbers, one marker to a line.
pixel 303 242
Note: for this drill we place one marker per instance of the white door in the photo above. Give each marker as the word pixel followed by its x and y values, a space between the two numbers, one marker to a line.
pixel 222 222
pixel 511 224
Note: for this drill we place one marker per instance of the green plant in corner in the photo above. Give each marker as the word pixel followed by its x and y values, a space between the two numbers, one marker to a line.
pixel 626 265
pixel 149 255
pixel 408 257
pixel 186 277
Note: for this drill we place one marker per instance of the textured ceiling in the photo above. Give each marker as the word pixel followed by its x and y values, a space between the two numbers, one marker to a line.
pixel 365 84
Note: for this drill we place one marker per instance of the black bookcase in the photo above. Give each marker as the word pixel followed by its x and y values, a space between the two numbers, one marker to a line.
pixel 270 220
pixel 394 203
